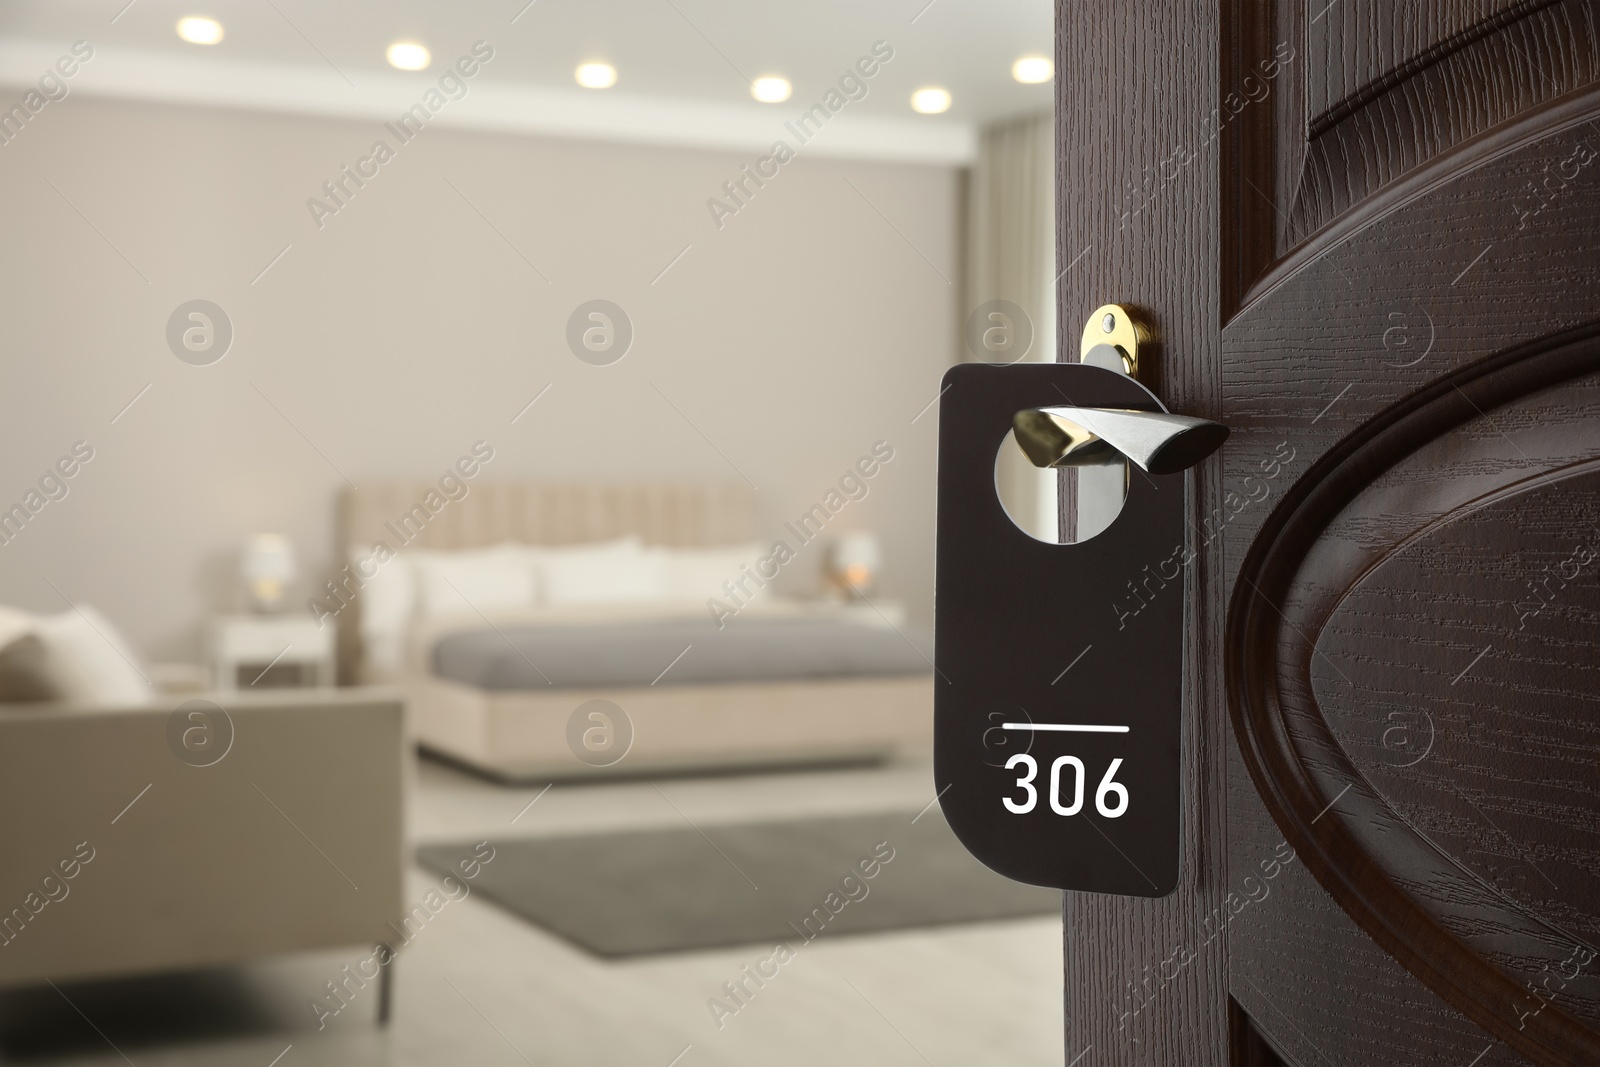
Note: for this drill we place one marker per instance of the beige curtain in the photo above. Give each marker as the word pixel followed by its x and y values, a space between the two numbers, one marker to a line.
pixel 1011 242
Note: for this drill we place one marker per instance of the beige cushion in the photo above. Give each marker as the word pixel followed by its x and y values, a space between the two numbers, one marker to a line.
pixel 23 678
pixel 76 656
pixel 25 672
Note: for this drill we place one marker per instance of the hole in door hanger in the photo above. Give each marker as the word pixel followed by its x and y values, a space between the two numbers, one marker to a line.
pixel 1059 505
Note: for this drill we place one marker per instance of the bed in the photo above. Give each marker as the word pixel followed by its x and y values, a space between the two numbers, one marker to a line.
pixel 516 687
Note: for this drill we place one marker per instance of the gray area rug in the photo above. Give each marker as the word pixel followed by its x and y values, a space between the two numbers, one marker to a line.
pixel 675 890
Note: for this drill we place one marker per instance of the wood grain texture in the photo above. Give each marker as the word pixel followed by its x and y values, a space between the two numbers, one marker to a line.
pixel 1258 176
pixel 1373 93
pixel 1358 49
pixel 1485 75
pixel 1349 540
pixel 1461 252
pixel 1139 225
pixel 1448 267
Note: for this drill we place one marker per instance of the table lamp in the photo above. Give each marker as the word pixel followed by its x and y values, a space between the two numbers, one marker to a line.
pixel 268 566
pixel 854 560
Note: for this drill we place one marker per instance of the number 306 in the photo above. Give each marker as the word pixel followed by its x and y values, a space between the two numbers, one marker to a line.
pixel 1107 791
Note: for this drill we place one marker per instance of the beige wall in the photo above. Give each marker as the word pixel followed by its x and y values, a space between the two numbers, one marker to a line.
pixel 406 328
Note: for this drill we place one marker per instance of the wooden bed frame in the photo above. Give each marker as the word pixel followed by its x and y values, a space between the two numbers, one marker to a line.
pixel 520 736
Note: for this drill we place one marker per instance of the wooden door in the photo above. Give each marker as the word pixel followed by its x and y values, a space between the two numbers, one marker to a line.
pixel 1368 234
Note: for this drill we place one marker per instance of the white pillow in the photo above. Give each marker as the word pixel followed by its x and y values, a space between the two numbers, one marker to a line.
pixel 605 572
pixel 698 573
pixel 15 624
pixel 449 583
pixel 87 661
pixel 389 596
pixel 387 600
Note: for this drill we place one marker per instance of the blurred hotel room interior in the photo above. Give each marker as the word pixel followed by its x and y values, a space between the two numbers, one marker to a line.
pixel 466 528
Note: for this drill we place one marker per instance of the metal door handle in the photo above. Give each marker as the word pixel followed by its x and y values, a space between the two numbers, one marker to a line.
pixel 1093 437
pixel 1082 437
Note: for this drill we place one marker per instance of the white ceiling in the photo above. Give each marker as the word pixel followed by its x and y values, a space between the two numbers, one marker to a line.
pixel 683 64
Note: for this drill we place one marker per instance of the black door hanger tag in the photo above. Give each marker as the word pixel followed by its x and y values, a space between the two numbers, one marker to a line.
pixel 1059 686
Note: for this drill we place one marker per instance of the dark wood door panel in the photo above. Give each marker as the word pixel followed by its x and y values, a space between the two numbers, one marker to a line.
pixel 1322 992
pixel 1374 92
pixel 1322 988
pixel 1353 47
pixel 1451 272
pixel 1410 930
pixel 1454 241
pixel 1491 765
pixel 1516 961
pixel 1483 78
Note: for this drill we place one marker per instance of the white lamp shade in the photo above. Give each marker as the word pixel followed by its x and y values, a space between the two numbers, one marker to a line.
pixel 268 557
pixel 856 552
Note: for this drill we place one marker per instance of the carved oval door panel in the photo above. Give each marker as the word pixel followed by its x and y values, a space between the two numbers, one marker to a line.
pixel 1411 521
pixel 1415 678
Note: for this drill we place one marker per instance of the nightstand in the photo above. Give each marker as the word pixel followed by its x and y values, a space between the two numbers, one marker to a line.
pixel 248 646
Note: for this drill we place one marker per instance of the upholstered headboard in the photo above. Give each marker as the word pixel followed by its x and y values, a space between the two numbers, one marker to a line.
pixel 422 515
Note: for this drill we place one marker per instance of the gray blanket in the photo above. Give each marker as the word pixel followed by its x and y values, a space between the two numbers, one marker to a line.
pixel 691 651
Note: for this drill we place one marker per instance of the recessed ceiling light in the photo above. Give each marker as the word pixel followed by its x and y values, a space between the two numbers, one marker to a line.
pixel 930 101
pixel 596 75
pixel 771 89
pixel 1033 70
pixel 198 30
pixel 409 55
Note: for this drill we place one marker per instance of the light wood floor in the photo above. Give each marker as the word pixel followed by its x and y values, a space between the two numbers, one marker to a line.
pixel 479 986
